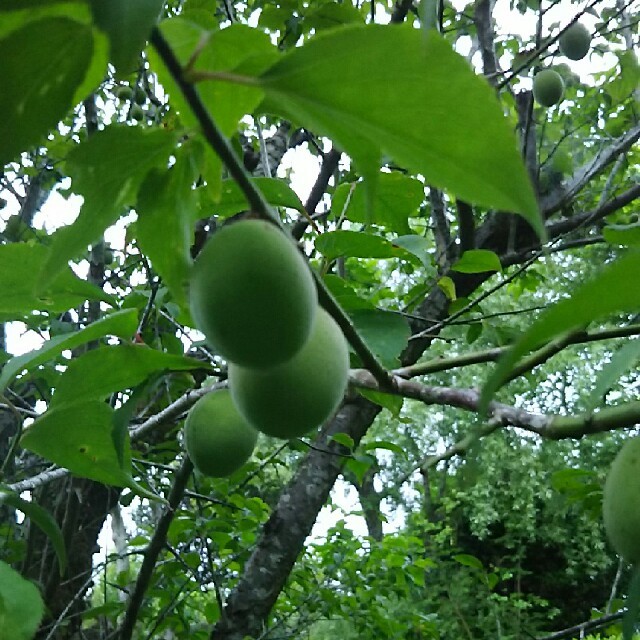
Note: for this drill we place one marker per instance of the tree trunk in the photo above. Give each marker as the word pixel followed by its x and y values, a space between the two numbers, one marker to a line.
pixel 285 532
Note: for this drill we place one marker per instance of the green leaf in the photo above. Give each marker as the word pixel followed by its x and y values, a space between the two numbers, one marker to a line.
pixel 397 198
pixel 385 400
pixel 121 323
pixel 330 15
pixel 614 290
pixel 345 294
pixel 167 212
pixel 420 247
pixel 20 13
pixel 473 332
pixel 39 83
pixel 111 609
pixel 358 244
pixel 17 14
pixel 477 261
pixel 582 487
pixel 627 80
pixel 343 439
pixel 80 438
pixel 468 561
pixel 107 171
pixel 43 519
pixel 491 580
pixel 20 265
pixel 416 574
pixel 448 286
pixel 277 193
pixel 21 606
pixel 627 235
pixel 238 49
pixel 127 25
pixel 435 115
pixel 100 372
pixel 384 332
pixel 384 444
pixel 273 18
pixel 569 480
pixel 359 465
pixel 622 361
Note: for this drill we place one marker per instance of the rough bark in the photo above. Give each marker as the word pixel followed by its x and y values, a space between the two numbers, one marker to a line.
pixel 285 532
pixel 80 507
pixel 370 501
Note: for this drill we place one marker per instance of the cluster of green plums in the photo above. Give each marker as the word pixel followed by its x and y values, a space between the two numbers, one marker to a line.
pixel 548 84
pixel 254 298
pixel 137 96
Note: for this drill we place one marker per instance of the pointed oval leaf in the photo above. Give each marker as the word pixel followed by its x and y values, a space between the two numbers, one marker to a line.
pixel 127 25
pixel 21 605
pixel 20 265
pixel 614 290
pixel 387 401
pixel 41 518
pixel 385 333
pixel 343 439
pixel 100 372
pixel 107 171
pixel 379 90
pixel 626 235
pixel 167 213
pixel 121 323
pixel 477 261
pixel 276 192
pixel 469 561
pixel 43 64
pixel 345 294
pixel 621 362
pixel 385 444
pixel 236 50
pixel 80 438
pixel 358 244
pixel 397 198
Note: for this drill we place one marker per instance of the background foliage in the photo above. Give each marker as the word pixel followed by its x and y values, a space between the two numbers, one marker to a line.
pixel 452 222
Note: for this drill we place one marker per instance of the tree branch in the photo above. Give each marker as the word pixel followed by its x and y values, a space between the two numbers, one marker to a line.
pixel 486 37
pixel 445 249
pixel 566 225
pixel 329 165
pixel 552 427
pixel 493 355
pixel 590 625
pixel 155 546
pixel 603 158
pixel 466 226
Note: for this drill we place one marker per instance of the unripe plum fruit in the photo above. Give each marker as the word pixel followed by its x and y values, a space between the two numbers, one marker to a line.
pixel 217 438
pixel 294 397
pixel 137 113
pixel 548 87
pixel 252 294
pixel 575 42
pixel 621 502
pixel 140 96
pixel 124 93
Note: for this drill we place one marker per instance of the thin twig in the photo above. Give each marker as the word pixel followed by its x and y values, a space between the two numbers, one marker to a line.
pixel 155 546
pixel 590 625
